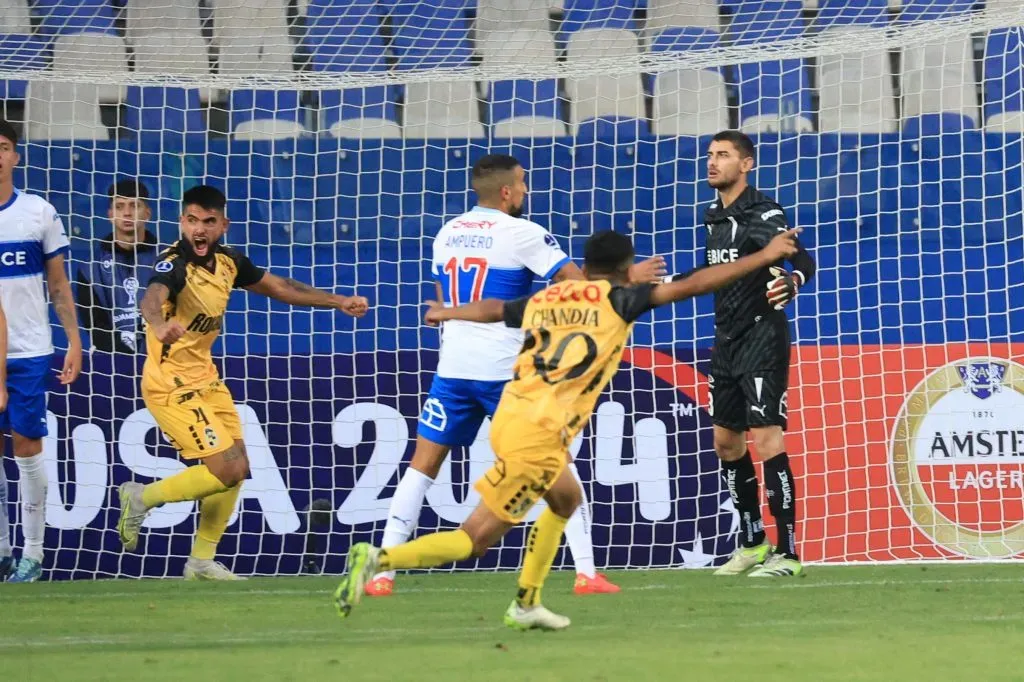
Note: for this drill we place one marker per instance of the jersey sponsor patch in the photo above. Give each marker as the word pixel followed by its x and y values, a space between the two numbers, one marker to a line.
pixel 164 266
pixel 770 214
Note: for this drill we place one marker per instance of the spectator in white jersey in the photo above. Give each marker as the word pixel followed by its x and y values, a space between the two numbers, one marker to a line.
pixel 107 287
pixel 32 248
pixel 488 252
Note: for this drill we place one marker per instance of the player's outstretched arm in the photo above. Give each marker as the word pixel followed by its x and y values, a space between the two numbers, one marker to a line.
pixel 706 280
pixel 294 292
pixel 64 305
pixel 487 310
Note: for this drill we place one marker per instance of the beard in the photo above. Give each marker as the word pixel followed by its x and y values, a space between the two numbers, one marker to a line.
pixel 516 212
pixel 192 257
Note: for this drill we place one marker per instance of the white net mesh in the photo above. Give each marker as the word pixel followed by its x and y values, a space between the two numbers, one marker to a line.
pixel 342 133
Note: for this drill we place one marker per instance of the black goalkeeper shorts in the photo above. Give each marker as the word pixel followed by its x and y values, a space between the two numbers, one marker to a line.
pixel 739 401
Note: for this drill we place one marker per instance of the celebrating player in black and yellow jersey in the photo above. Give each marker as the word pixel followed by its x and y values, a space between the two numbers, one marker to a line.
pixel 183 307
pixel 574 335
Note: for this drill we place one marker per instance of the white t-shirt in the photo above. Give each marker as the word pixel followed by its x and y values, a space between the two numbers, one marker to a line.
pixel 31 233
pixel 488 254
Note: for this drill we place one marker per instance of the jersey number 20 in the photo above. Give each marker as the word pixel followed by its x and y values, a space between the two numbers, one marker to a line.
pixel 465 279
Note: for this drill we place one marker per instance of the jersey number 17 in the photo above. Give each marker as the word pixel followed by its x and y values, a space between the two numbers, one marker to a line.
pixel 465 279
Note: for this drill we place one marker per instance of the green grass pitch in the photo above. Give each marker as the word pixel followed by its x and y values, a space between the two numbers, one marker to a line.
pixel 898 623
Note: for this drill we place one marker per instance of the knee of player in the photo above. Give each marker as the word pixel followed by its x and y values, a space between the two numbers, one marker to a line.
pixel 730 450
pixel 565 503
pixel 769 442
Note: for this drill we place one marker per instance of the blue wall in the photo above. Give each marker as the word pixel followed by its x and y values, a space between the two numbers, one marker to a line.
pixel 918 239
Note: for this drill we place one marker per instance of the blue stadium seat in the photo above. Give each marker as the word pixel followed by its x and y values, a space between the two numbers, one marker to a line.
pixel 580 15
pixel 1003 86
pixel 20 52
pixel 263 114
pixel 523 98
pixel 171 113
pixel 837 13
pixel 74 16
pixel 929 10
pixel 345 36
pixel 431 34
pixel 773 96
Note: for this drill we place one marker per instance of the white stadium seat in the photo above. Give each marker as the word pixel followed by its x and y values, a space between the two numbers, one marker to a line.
pixel 365 128
pixel 174 53
pixel 63 111
pixel 529 126
pixel 95 51
pixel 603 96
pixel 663 14
pixel 525 46
pixel 14 17
pixel 939 78
pixel 855 89
pixel 441 110
pixel 504 16
pixel 146 17
pixel 252 37
pixel 690 102
pixel 268 129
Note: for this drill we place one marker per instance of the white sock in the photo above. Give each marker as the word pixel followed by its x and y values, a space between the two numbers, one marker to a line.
pixel 5 526
pixel 404 512
pixel 32 490
pixel 577 533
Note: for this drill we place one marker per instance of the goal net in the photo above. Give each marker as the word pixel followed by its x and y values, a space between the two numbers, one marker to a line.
pixel 342 133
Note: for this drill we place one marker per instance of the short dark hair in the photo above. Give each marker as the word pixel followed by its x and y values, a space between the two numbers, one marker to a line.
pixel 131 189
pixel 204 196
pixel 7 130
pixel 744 145
pixel 608 252
pixel 494 163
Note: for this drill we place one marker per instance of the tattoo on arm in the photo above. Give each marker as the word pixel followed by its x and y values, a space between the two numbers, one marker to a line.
pixel 64 306
pixel 153 302
pixel 300 286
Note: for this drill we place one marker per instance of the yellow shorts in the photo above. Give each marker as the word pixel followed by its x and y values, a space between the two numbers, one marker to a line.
pixel 198 423
pixel 529 461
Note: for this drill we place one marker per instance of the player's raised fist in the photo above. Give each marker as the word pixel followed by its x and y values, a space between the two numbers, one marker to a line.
pixel 650 270
pixel 169 331
pixel 356 306
pixel 784 245
pixel 433 314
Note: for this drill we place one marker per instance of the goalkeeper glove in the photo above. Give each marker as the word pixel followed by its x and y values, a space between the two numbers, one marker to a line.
pixel 782 288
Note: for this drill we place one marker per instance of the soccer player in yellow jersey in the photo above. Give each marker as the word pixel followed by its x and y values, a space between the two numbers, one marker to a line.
pixel 574 335
pixel 183 307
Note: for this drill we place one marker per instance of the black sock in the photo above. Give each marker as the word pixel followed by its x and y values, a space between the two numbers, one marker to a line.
pixel 778 479
pixel 741 480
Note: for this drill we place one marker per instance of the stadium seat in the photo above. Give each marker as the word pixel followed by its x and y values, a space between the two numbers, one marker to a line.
pixel 266 114
pixel 524 108
pixel 774 96
pixel 855 89
pixel 499 17
pixel 441 110
pixel 14 17
pixel 929 10
pixel 74 16
pixel 603 97
pixel 143 18
pixel 1003 88
pixel 170 113
pixel 688 101
pixel 938 79
pixel 662 14
pixel 252 37
pixel 175 53
pixel 63 111
pixel 104 52
pixel 430 35
pixel 20 52
pixel 527 47
pixel 582 15
pixel 359 113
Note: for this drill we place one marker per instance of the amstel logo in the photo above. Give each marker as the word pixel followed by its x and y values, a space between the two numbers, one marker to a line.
pixel 957 457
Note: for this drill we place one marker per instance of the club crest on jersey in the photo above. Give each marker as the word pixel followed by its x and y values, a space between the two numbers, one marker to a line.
pixel 957 457
pixel 164 266
pixel 550 240
pixel 211 436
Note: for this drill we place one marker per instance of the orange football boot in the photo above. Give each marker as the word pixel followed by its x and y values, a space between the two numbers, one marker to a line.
pixel 599 584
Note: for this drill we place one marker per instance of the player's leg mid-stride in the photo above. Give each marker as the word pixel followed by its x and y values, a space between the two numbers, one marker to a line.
pixel 531 466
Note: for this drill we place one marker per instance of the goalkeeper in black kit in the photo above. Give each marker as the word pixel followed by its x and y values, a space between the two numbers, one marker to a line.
pixel 750 359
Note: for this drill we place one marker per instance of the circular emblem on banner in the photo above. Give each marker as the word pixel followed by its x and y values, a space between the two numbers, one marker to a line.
pixel 164 266
pixel 957 457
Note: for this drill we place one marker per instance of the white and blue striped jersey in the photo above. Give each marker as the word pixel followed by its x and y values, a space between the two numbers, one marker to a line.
pixel 488 254
pixel 31 233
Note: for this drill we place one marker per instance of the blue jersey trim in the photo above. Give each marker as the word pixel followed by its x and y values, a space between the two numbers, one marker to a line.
pixel 556 267
pixel 10 202
pixel 57 252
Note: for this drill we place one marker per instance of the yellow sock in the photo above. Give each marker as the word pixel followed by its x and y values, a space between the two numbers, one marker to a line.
pixel 541 546
pixel 214 514
pixel 193 483
pixel 428 551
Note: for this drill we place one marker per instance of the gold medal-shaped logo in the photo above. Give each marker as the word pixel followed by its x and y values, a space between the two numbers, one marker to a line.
pixel 957 457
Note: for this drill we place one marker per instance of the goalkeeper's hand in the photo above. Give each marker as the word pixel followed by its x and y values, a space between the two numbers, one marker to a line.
pixel 782 288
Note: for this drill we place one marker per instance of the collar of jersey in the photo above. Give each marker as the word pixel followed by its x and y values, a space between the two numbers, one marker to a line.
pixel 10 202
pixel 745 199
pixel 485 209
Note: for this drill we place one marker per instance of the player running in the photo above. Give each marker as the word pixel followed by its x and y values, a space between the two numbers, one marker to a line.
pixel 750 360
pixel 574 336
pixel 489 252
pixel 32 248
pixel 183 308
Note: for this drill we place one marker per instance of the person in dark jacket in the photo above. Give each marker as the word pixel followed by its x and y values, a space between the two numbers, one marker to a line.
pixel 108 286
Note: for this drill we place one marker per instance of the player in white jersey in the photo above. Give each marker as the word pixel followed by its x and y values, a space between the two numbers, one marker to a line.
pixel 32 248
pixel 488 252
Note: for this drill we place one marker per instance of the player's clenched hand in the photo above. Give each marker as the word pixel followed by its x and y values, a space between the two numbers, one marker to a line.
pixel 72 365
pixel 782 288
pixel 356 306
pixel 782 246
pixel 650 270
pixel 433 315
pixel 169 331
